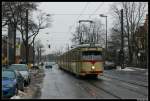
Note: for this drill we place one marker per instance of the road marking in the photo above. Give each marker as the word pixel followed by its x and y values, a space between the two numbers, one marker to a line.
pixel 107 79
pixel 129 85
pixel 136 68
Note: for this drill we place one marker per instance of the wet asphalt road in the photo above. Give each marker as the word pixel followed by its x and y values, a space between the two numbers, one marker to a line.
pixel 115 84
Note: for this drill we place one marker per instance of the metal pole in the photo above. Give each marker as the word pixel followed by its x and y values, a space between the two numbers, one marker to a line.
pixel 27 36
pixel 33 51
pixel 106 37
pixel 122 40
pixel 81 38
pixel 146 49
pixel 80 34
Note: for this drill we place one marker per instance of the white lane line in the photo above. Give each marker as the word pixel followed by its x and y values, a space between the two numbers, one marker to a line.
pixel 136 68
pixel 107 79
pixel 129 85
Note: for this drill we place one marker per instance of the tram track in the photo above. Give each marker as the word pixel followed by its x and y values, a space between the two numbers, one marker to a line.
pixel 137 75
pixel 105 90
pixel 130 82
pixel 126 86
pixel 98 87
pixel 88 88
pixel 118 92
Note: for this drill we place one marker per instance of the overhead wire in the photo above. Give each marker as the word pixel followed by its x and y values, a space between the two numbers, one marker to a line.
pixel 100 5
pixel 83 10
pixel 72 14
pixel 80 14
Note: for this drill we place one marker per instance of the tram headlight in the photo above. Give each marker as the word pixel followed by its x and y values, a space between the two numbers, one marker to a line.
pixel 93 67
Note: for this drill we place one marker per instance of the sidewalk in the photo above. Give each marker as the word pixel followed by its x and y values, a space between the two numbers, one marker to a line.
pixel 133 69
pixel 137 68
pixel 125 69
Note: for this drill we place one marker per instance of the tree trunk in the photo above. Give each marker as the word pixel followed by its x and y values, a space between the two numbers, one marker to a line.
pixel 130 55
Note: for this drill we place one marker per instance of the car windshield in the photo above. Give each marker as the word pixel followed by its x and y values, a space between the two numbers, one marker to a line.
pixel 19 67
pixel 8 74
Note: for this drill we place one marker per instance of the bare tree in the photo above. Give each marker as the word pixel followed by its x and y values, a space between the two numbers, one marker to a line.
pixel 43 21
pixel 98 32
pixel 15 13
pixel 134 13
pixel 86 33
pixel 12 11
pixel 11 17
pixel 114 45
pixel 39 50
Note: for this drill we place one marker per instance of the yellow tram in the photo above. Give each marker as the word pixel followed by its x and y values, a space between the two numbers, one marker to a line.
pixel 83 60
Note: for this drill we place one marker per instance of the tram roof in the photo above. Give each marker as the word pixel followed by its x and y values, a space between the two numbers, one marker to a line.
pixel 86 46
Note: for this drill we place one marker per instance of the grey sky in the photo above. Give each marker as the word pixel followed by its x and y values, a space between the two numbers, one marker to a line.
pixel 63 25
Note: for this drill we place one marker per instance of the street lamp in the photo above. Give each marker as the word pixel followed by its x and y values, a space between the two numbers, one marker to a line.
pixel 102 15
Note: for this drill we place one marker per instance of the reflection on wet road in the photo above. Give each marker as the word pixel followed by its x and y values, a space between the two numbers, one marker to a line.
pixel 58 84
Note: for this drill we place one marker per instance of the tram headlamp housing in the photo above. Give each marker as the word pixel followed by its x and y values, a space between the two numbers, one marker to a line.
pixel 93 67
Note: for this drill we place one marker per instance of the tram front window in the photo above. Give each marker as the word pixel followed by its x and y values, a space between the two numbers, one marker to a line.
pixel 91 55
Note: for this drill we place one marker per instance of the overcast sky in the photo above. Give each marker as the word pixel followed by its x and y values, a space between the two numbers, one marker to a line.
pixel 62 25
pixel 65 17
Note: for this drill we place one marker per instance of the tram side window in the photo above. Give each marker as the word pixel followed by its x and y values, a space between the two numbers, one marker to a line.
pixel 92 55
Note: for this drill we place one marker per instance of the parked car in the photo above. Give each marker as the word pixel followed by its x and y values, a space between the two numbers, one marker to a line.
pixel 48 66
pixel 35 67
pixel 12 81
pixel 20 80
pixel 5 66
pixel 109 65
pixel 24 70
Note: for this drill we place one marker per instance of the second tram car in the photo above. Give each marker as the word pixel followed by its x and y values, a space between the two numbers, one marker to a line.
pixel 83 60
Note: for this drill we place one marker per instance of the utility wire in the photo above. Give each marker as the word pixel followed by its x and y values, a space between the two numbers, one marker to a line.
pixel 73 14
pixel 100 5
pixel 83 10
pixel 79 15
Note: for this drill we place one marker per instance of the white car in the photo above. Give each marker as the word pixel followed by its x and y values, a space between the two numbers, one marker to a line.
pixel 109 65
pixel 24 71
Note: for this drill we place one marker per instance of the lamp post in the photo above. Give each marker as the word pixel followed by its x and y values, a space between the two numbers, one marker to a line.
pixel 33 51
pixel 27 50
pixel 102 15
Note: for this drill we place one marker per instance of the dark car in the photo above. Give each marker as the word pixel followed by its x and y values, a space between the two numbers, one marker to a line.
pixel 12 81
pixel 48 66
pixel 24 71
pixel 35 67
pixel 5 66
pixel 109 65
